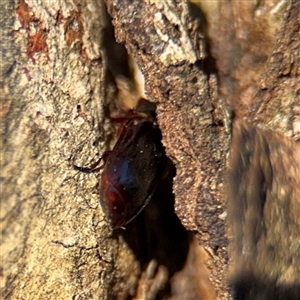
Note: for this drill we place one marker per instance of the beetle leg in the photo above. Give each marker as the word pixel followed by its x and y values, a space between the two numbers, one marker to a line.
pixel 93 168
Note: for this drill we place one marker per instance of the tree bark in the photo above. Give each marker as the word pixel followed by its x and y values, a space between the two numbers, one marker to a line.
pixel 264 181
pixel 55 242
pixel 206 64
pixel 181 77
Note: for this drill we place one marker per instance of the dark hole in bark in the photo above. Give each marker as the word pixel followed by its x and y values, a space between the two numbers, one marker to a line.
pixel 157 233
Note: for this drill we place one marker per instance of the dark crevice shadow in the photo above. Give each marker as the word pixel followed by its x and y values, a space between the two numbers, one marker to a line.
pixel 157 233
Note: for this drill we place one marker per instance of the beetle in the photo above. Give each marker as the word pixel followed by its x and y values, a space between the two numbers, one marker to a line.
pixel 131 171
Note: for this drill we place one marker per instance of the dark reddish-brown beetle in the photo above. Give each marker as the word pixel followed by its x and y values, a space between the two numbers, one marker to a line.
pixel 131 170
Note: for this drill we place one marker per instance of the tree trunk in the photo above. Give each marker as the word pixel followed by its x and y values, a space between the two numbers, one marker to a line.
pixel 218 72
pixel 56 243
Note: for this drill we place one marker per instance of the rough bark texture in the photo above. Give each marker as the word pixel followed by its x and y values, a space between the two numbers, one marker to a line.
pixel 55 243
pixel 264 181
pixel 264 198
pixel 277 104
pixel 56 88
pixel 190 115
pixel 180 76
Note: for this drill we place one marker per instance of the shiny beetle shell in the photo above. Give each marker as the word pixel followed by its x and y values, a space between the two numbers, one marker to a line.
pixel 132 171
